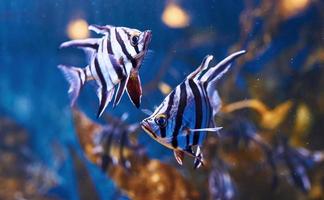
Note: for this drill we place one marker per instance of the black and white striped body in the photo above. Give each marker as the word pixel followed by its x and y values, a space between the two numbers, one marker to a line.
pixel 187 107
pixel 112 60
pixel 185 116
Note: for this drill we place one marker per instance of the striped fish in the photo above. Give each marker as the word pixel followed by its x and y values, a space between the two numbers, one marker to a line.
pixel 113 143
pixel 221 185
pixel 114 59
pixel 185 116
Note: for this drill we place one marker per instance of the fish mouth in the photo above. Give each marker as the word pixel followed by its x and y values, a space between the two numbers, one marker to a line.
pixel 147 128
pixel 147 39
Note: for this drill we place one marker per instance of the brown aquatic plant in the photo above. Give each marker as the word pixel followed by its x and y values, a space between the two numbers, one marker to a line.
pixel 270 119
pixel 145 178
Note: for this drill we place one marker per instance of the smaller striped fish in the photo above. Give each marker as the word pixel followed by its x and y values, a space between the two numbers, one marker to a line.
pixel 114 59
pixel 113 143
pixel 221 185
pixel 185 116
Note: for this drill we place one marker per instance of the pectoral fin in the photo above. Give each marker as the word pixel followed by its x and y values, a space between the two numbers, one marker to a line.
pixel 134 88
pixel 179 155
pixel 215 129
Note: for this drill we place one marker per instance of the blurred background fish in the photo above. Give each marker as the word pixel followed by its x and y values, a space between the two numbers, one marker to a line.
pixel 221 186
pixel 114 149
pixel 108 144
pixel 298 162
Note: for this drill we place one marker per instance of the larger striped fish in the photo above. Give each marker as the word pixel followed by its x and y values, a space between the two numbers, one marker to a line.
pixel 114 59
pixel 185 116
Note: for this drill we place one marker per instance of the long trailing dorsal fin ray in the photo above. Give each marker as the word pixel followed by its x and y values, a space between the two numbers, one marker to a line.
pixel 212 75
pixel 91 43
pixel 216 72
pixel 204 65
pixel 89 46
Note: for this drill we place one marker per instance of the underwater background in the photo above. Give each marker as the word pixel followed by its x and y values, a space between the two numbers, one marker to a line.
pixel 272 141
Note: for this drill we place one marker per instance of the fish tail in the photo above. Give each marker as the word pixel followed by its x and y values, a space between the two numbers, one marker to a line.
pixel 76 78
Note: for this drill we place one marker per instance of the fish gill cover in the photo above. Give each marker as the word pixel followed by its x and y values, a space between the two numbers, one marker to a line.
pixel 269 102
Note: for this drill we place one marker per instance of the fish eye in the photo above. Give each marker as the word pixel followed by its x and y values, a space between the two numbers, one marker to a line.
pixel 134 40
pixel 161 120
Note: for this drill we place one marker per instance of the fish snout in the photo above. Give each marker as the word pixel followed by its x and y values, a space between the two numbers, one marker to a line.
pixel 147 128
pixel 148 33
pixel 147 37
pixel 144 124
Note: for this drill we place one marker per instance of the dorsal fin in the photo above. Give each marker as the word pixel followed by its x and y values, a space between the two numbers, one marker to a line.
pixel 89 46
pixel 204 65
pixel 216 72
pixel 91 43
pixel 210 77
pixel 104 30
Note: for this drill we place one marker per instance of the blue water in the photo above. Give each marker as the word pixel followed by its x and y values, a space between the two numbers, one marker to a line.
pixel 34 92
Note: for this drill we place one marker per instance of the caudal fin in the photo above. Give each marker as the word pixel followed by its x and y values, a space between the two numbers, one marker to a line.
pixel 76 78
